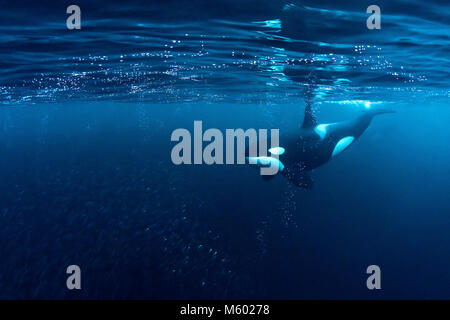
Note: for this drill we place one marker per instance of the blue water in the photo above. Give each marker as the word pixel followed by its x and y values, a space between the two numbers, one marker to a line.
pixel 86 176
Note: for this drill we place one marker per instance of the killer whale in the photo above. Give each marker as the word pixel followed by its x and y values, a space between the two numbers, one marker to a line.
pixel 313 145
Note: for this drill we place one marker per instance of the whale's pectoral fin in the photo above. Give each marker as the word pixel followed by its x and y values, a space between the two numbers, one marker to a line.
pixel 299 177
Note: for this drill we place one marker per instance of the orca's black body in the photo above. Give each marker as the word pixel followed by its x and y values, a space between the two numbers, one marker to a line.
pixel 316 144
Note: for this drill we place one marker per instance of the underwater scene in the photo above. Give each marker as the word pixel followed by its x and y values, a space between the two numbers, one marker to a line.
pixel 127 167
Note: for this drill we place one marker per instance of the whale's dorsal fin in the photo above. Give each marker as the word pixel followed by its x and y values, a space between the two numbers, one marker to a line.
pixel 309 120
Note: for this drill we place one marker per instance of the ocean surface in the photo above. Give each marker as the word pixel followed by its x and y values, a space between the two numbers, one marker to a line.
pixel 86 176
